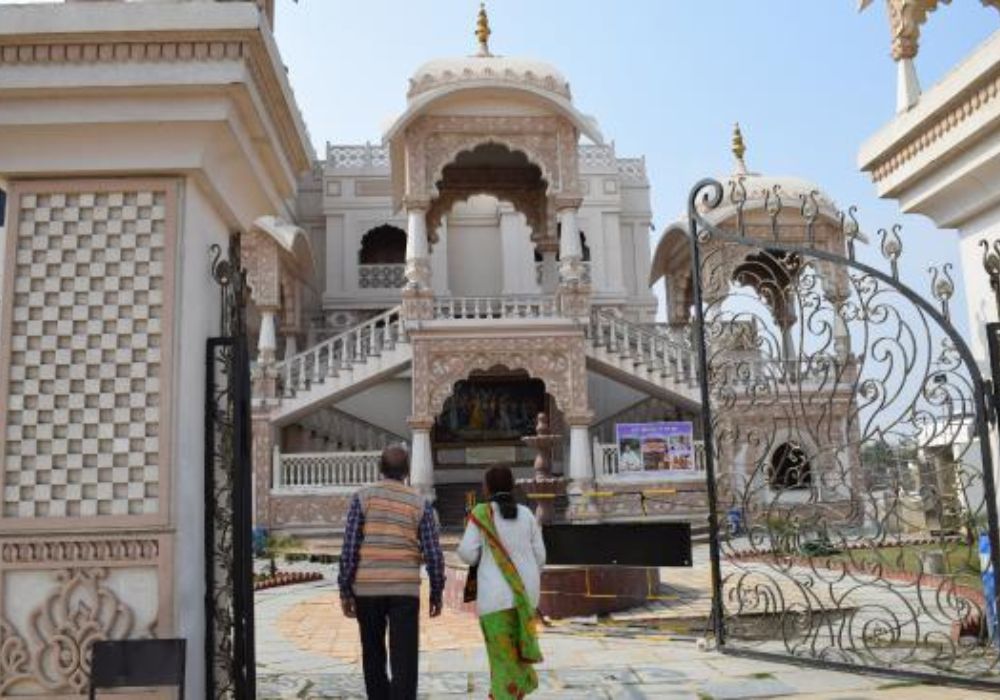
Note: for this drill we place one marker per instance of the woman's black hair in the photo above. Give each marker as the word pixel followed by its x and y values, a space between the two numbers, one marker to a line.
pixel 499 484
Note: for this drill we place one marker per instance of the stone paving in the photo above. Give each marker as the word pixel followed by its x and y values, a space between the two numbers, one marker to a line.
pixel 307 649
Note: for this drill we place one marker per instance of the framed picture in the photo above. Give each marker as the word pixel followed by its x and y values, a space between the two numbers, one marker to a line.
pixel 645 448
pixel 490 410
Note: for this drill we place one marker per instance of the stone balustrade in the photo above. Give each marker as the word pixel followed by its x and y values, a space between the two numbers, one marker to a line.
pixel 381 275
pixel 325 471
pixel 354 346
pixel 480 308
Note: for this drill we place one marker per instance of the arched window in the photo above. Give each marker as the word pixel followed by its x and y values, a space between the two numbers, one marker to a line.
pixel 383 245
pixel 790 468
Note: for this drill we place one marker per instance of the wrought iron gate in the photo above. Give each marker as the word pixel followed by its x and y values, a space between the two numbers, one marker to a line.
pixel 849 458
pixel 229 624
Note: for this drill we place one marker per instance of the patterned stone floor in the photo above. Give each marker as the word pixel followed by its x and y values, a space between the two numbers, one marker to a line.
pixel 306 649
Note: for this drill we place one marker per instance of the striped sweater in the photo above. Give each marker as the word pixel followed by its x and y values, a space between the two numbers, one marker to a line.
pixel 389 530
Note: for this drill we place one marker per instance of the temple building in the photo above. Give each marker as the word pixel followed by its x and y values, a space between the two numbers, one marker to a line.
pixel 451 305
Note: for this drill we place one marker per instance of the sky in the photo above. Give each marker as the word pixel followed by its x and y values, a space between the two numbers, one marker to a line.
pixel 808 80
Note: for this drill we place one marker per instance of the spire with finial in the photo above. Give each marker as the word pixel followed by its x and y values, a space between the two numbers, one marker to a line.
pixel 739 148
pixel 483 31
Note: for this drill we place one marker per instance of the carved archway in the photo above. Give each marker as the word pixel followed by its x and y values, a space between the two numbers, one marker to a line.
pixel 557 360
pixel 493 168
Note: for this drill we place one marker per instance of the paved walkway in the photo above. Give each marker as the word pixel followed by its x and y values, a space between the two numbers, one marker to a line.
pixel 307 649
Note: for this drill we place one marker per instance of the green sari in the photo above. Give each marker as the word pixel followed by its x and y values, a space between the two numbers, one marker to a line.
pixel 511 635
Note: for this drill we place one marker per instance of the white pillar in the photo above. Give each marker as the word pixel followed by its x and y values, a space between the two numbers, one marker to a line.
pixel 422 462
pixel 581 466
pixel 276 466
pixel 439 260
pixel 267 342
pixel 550 272
pixel 570 250
pixel 418 269
pixel 510 262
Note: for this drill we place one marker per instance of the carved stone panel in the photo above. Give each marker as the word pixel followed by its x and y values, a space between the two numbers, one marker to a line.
pixel 60 595
pixel 557 359
pixel 86 374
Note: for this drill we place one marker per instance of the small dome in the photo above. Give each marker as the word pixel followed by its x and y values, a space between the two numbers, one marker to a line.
pixel 790 191
pixel 492 69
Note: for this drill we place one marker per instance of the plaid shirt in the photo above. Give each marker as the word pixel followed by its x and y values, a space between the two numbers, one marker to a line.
pixel 427 537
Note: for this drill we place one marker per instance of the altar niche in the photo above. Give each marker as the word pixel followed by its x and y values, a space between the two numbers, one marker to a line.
pixel 481 424
pixel 490 410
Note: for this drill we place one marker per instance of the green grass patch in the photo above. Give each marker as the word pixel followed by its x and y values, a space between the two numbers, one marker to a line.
pixel 761 675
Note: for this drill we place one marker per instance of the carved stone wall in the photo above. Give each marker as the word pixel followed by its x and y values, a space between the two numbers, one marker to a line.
pixel 60 595
pixel 86 372
pixel 86 375
pixel 557 359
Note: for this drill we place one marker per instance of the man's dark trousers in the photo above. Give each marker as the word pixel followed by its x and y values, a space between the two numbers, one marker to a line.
pixel 402 616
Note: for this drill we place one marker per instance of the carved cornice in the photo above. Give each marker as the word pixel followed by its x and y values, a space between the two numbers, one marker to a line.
pixel 945 121
pixel 173 47
pixel 438 363
pixel 125 549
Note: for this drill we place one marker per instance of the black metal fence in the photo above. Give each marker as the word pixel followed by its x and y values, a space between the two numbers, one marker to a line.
pixel 853 509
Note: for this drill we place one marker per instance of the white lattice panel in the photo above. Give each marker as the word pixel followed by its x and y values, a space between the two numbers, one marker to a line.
pixel 82 434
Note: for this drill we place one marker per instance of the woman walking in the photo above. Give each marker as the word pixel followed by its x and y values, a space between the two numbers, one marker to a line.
pixel 505 541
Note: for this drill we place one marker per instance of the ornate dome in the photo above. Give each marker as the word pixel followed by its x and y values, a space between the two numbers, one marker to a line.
pixel 484 67
pixel 493 69
pixel 757 190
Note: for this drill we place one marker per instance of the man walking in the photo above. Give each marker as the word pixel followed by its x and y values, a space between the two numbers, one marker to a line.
pixel 389 530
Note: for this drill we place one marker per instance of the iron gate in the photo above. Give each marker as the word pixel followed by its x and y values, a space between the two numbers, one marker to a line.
pixel 849 463
pixel 229 623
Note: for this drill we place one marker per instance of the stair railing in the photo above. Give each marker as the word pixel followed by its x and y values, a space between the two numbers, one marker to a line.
pixel 669 356
pixel 482 308
pixel 329 357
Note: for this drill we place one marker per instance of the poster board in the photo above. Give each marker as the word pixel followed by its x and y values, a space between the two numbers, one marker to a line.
pixel 655 449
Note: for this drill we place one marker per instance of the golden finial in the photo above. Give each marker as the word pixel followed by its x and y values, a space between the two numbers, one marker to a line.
pixel 739 148
pixel 483 31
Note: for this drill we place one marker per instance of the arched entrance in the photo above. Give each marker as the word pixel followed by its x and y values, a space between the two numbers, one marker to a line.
pixel 481 424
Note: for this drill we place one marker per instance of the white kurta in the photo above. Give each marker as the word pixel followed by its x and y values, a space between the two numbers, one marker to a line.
pixel 522 537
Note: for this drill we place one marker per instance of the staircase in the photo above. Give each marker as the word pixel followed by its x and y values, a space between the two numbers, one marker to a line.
pixel 343 365
pixel 337 431
pixel 660 364
pixel 649 359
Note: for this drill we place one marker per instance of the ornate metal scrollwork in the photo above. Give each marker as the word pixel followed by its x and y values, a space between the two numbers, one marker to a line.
pixel 228 557
pixel 849 463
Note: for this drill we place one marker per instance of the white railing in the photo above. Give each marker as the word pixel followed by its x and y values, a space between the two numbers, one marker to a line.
pixel 495 307
pixel 381 276
pixel 606 462
pixel 324 470
pixel 672 358
pixel 351 347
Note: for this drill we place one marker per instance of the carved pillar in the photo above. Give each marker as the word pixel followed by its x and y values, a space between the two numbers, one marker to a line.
pixel 550 270
pixel 570 250
pixel 418 267
pixel 422 458
pixel 263 463
pixel 418 297
pixel 267 341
